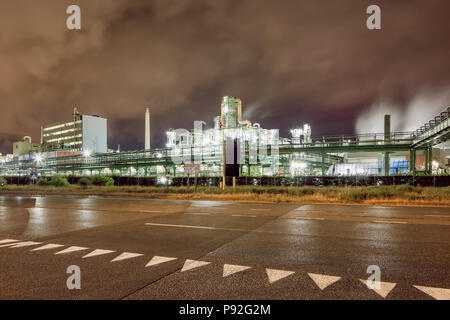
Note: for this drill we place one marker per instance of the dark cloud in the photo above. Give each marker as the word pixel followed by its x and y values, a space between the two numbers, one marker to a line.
pixel 290 62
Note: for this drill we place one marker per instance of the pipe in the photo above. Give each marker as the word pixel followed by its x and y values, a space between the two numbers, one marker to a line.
pixel 249 124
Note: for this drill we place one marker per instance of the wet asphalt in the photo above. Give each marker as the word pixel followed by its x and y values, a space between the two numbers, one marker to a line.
pixel 277 248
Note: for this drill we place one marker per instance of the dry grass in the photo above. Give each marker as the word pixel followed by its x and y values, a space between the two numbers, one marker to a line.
pixel 386 195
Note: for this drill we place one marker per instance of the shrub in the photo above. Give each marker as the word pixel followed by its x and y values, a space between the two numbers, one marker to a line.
pixel 59 181
pixel 101 180
pixel 85 182
pixel 43 182
pixel 3 182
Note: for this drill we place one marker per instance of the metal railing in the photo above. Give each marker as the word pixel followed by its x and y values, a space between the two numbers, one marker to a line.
pixel 437 125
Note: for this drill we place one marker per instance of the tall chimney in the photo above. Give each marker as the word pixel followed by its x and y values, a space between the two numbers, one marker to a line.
pixel 147 129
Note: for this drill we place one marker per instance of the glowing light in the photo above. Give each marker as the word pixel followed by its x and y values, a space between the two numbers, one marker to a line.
pixel 38 158
pixel 86 153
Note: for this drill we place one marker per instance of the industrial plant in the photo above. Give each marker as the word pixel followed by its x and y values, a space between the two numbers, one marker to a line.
pixel 78 147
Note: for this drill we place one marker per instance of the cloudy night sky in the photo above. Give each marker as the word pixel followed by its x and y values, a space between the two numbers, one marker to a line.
pixel 290 62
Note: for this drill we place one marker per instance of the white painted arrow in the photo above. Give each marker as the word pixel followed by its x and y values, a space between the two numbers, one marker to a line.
pixel 7 241
pixel 436 293
pixel 192 264
pixel 322 280
pixel 385 287
pixel 71 249
pixel 275 275
pixel 97 252
pixel 229 269
pixel 126 255
pixel 22 244
pixel 157 260
pixel 48 246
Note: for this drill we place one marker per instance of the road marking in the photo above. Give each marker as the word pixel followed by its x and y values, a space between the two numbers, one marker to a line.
pixel 390 221
pixel 275 275
pixel 195 227
pixel 149 211
pixel 157 260
pixel 261 209
pixel 243 215
pixel 126 255
pixel 48 246
pixel 71 249
pixel 21 244
pixel 385 287
pixel 97 252
pixel 192 264
pixel 308 218
pixel 436 215
pixel 229 269
pixel 322 280
pixel 7 241
pixel 199 213
pixel 436 293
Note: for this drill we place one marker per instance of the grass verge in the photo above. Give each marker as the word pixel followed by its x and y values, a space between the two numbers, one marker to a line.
pixel 386 195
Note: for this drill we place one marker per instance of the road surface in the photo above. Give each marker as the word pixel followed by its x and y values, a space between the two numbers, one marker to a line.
pixel 131 248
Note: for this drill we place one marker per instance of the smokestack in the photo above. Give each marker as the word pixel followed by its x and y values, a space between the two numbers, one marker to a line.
pixel 147 129
pixel 387 127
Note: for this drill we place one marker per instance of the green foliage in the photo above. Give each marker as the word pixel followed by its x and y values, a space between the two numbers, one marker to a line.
pixel 101 180
pixel 85 182
pixel 3 182
pixel 55 181
pixel 43 182
pixel 59 181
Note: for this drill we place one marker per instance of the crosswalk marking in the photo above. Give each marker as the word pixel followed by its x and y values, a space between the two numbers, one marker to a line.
pixel 275 275
pixel 126 255
pixel 48 246
pixel 229 269
pixel 192 264
pixel 385 287
pixel 322 280
pixel 157 260
pixel 7 241
pixel 71 249
pixel 436 293
pixel 97 252
pixel 21 244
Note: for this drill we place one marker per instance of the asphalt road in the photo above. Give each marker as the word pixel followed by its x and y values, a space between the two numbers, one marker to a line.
pixel 165 249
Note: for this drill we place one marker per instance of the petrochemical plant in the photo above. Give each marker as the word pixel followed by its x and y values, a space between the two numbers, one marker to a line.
pixel 78 147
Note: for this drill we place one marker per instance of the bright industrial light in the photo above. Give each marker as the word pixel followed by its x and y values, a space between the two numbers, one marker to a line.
pixel 360 171
pixel 86 153
pixel 163 180
pixel 159 155
pixel 296 132
pixel 38 158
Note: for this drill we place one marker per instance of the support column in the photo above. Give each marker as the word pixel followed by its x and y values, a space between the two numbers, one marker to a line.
pixel 428 160
pixel 323 163
pixel 386 164
pixel 387 141
pixel 412 161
